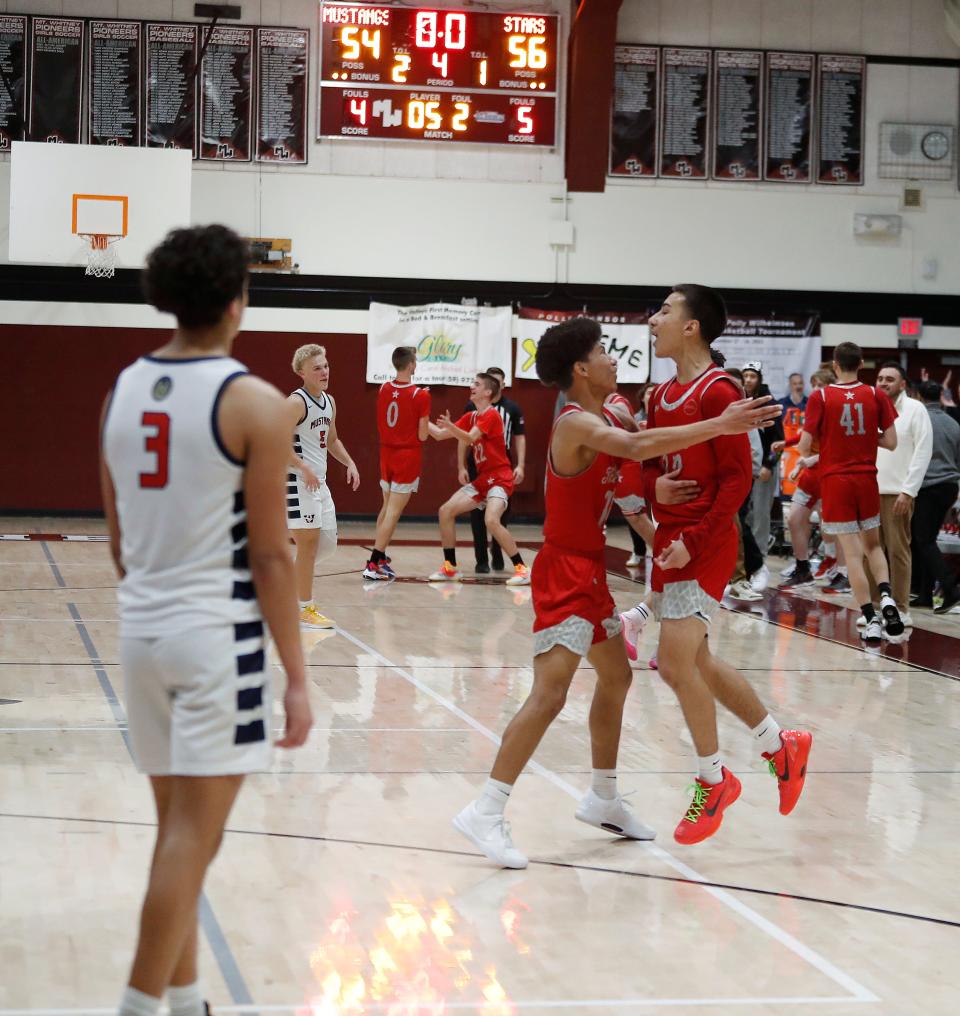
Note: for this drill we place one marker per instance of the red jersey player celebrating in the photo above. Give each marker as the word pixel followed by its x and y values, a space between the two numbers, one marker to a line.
pixel 403 416
pixel 481 428
pixel 574 613
pixel 695 551
pixel 851 420
pixel 628 496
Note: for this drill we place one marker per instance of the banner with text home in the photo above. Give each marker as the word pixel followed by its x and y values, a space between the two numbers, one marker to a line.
pixel 453 342
pixel 626 337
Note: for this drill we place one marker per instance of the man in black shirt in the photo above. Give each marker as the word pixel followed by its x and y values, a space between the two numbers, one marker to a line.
pixel 514 437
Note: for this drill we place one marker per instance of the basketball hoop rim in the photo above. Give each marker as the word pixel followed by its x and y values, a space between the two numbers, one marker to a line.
pixel 100 241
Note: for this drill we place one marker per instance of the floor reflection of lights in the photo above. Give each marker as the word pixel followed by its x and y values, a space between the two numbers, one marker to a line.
pixel 420 958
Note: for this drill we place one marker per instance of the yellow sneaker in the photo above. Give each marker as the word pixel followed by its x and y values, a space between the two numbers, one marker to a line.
pixel 310 617
pixel 520 576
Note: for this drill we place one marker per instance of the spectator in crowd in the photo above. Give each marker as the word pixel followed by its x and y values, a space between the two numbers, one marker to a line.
pixel 796 397
pixel 516 441
pixel 937 495
pixel 899 475
pixel 767 483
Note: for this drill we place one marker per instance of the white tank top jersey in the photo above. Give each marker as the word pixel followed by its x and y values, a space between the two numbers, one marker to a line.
pixel 310 436
pixel 179 493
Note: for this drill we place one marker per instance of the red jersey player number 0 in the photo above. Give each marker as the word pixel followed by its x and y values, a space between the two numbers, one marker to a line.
pixel 157 443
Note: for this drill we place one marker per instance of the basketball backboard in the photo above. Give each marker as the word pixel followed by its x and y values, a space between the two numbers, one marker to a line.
pixel 58 193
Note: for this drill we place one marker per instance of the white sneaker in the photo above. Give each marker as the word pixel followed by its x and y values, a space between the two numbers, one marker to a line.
pixel 742 590
pixel 634 561
pixel 491 834
pixel 873 631
pixel 614 816
pixel 632 630
pixel 861 621
pixel 759 580
pixel 892 622
pixel 790 569
pixel 907 619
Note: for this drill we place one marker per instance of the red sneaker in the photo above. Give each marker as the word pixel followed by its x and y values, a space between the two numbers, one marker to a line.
pixel 789 765
pixel 825 565
pixel 706 810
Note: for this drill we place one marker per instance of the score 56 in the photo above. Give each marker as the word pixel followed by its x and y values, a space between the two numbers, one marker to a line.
pixel 527 51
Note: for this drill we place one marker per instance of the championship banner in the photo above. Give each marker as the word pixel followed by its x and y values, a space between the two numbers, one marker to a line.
pixel 625 337
pixel 453 342
pixel 784 345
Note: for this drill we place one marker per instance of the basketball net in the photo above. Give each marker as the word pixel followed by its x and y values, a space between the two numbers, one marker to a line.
pixel 101 254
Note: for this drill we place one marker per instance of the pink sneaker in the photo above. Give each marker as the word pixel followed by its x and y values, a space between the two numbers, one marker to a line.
pixel 629 637
pixel 653 663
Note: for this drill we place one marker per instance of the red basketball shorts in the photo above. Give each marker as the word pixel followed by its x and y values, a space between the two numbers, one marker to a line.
pixel 572 605
pixel 628 494
pixel 696 589
pixel 851 502
pixel 807 493
pixel 496 484
pixel 400 469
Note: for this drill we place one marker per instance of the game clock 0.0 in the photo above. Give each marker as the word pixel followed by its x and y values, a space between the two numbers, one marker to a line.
pixel 438 75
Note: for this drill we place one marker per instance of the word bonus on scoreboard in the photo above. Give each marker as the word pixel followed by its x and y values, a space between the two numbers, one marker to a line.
pixel 438 75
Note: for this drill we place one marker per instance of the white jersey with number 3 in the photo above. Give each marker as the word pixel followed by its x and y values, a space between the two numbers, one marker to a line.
pixel 179 498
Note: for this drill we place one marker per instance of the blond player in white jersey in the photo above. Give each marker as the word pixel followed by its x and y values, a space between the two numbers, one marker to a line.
pixel 193 455
pixel 311 515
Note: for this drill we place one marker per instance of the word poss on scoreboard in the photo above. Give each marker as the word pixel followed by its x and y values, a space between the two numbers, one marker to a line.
pixel 437 75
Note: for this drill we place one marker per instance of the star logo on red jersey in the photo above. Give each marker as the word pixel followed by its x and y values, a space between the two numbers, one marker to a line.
pixel 396 395
pixel 850 396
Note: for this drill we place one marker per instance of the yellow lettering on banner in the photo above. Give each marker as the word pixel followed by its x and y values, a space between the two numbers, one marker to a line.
pixel 530 348
pixel 438 348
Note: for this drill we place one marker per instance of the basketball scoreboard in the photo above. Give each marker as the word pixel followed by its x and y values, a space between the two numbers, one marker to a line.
pixel 410 74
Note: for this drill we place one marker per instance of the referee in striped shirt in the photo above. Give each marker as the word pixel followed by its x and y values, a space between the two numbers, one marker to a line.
pixel 514 437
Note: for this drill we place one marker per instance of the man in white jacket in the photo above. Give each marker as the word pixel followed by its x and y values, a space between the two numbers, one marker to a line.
pixel 899 474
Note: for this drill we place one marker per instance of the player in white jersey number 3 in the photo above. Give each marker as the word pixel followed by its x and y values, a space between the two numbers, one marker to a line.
pixel 311 516
pixel 193 456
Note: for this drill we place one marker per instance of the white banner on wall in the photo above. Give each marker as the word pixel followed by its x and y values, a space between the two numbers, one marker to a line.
pixel 453 342
pixel 625 337
pixel 783 345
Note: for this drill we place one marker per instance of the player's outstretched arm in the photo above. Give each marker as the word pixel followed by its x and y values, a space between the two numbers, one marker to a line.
pixel 255 430
pixel 110 498
pixel 737 418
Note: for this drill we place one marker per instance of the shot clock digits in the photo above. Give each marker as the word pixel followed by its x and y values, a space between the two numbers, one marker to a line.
pixel 439 75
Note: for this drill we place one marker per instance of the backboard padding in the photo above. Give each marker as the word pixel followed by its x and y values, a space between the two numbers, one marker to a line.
pixel 45 177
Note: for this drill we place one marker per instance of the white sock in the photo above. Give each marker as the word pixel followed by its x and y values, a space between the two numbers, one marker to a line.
pixel 186 1000
pixel 767 733
pixel 135 1003
pixel 604 783
pixel 494 797
pixel 305 603
pixel 639 615
pixel 830 550
pixel 710 768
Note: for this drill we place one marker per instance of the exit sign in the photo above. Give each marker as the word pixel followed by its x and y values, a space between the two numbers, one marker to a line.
pixel 909 327
pixel 909 330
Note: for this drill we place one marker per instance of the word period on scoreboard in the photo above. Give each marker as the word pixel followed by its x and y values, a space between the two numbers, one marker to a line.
pixel 438 75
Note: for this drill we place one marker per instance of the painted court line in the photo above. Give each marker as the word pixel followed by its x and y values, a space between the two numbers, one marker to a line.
pixel 483 1004
pixel 857 991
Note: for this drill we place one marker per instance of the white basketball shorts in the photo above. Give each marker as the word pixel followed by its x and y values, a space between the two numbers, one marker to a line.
pixel 310 509
pixel 199 702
